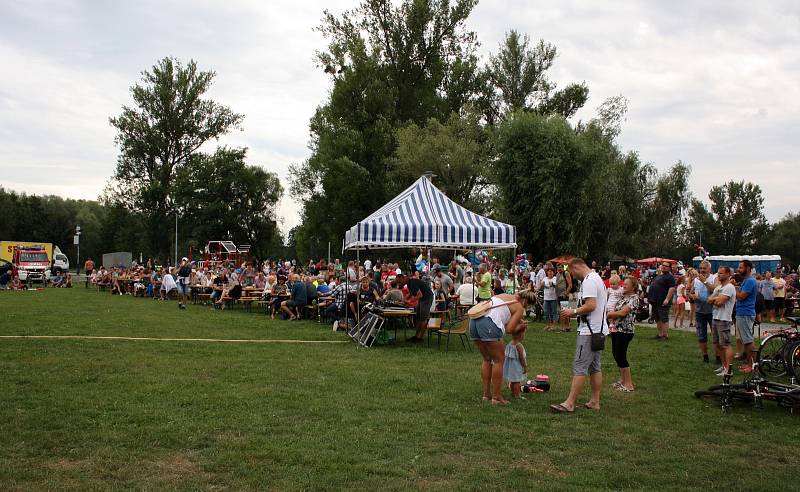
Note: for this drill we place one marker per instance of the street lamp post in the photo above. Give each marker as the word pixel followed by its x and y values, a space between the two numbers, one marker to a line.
pixel 77 241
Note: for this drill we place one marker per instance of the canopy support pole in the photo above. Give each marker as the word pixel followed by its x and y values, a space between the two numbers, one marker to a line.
pixel 358 265
pixel 514 266
pixel 347 293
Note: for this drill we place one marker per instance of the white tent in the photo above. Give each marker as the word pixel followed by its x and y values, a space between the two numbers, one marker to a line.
pixel 423 216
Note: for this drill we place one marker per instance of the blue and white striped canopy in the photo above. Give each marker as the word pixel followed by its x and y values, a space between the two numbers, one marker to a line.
pixel 423 216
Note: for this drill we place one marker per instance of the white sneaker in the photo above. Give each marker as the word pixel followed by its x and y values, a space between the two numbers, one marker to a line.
pixel 336 325
pixel 720 371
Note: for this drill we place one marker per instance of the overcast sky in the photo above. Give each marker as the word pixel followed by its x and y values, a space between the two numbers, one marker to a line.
pixel 714 84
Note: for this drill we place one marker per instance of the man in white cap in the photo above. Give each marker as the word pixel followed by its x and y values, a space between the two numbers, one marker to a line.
pixel 184 281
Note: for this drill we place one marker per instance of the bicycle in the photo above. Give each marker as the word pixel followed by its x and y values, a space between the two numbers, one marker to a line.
pixel 775 353
pixel 755 390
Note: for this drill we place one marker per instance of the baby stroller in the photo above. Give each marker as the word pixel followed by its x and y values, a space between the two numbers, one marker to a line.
pixel 643 311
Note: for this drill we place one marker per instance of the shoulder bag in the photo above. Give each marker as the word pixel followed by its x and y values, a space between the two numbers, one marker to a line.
pixel 598 342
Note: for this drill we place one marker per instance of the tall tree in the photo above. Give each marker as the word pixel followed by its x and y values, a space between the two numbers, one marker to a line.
pixel 518 72
pixel 571 190
pixel 391 64
pixel 784 239
pixel 222 197
pixel 735 224
pixel 168 122
pixel 458 152
pixel 667 199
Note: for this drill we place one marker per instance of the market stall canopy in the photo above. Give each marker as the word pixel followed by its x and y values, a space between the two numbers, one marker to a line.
pixel 562 259
pixel 423 216
pixel 649 261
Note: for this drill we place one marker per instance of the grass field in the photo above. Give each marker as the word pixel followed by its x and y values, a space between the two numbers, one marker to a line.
pixel 102 414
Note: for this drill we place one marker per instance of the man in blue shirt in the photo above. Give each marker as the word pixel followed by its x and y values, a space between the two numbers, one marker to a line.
pixel 299 293
pixel 746 311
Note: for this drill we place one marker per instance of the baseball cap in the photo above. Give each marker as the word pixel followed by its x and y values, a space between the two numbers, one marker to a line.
pixel 184 259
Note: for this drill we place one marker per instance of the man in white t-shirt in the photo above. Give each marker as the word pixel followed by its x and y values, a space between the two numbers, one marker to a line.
pixel 368 266
pixel 540 275
pixel 467 292
pixel 723 300
pixel 591 314
pixel 168 284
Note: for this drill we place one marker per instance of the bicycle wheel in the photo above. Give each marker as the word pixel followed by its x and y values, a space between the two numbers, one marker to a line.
pixel 771 363
pixel 794 361
pixel 736 392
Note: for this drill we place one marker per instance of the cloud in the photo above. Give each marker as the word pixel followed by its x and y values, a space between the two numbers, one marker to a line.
pixel 710 83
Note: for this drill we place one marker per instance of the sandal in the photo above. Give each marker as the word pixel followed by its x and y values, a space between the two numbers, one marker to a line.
pixel 500 401
pixel 559 408
pixel 623 389
pixel 590 407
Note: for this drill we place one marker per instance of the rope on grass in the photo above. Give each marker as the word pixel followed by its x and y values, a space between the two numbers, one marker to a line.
pixel 87 337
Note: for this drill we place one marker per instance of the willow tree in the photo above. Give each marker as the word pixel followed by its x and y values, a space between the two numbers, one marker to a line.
pixel 165 126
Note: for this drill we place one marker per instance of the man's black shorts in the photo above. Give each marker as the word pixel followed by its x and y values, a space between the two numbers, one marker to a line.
pixel 661 313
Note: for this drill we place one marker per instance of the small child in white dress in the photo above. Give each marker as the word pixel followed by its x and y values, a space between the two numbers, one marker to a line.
pixel 515 365
pixel 615 294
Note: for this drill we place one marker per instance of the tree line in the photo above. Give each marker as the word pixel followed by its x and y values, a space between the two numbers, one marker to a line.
pixel 410 95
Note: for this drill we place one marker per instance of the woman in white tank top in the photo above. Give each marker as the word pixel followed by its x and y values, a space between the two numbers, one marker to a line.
pixel 488 331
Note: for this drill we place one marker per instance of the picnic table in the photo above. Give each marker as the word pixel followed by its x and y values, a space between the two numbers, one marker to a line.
pixel 399 316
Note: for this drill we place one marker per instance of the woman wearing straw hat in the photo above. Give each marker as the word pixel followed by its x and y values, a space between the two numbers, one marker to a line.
pixel 501 314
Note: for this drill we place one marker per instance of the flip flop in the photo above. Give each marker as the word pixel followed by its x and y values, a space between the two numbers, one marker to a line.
pixel 559 408
pixel 586 405
pixel 500 402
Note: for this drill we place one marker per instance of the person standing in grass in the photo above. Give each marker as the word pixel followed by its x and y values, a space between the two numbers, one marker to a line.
pixel 515 366
pixel 506 316
pixel 767 287
pixel 623 314
pixel 702 285
pixel 484 283
pixel 779 300
pixel 184 282
pixel 746 312
pixel 549 286
pixel 591 314
pixel 420 295
pixel 662 288
pixel 722 299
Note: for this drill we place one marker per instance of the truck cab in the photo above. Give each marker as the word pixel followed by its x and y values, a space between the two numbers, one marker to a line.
pixel 31 265
pixel 60 262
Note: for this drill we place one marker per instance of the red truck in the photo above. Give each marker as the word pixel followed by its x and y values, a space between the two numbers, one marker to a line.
pixel 31 264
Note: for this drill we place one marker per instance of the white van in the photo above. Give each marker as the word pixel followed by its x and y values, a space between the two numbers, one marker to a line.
pixel 60 262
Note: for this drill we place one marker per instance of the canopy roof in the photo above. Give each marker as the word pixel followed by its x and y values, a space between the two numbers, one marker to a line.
pixel 423 216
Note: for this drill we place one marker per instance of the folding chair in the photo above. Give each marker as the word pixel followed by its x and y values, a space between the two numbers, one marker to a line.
pixel 457 328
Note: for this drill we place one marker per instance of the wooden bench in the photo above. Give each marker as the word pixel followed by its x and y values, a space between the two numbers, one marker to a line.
pixel 247 301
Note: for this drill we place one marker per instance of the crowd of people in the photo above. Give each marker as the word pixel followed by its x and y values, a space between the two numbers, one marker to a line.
pixel 604 300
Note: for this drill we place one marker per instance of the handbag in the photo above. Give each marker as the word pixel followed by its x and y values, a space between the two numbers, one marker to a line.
pixel 482 308
pixel 598 342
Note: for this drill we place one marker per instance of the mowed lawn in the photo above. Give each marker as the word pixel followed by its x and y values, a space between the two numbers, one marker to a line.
pixel 106 414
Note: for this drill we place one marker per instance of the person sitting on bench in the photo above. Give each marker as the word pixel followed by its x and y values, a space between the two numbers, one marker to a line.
pixel 299 298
